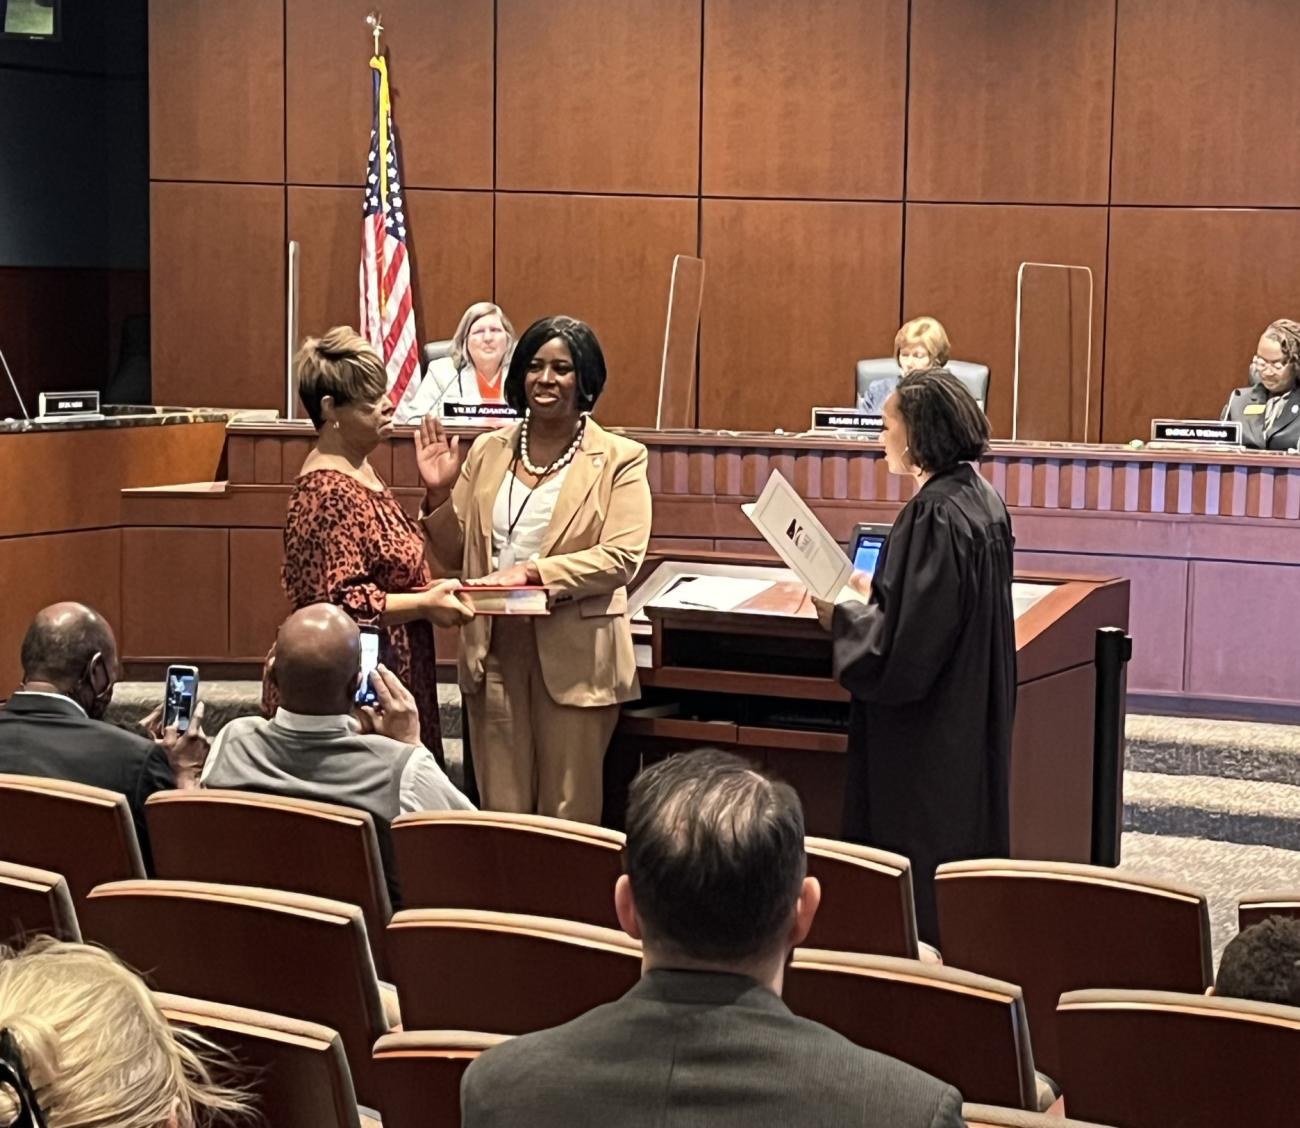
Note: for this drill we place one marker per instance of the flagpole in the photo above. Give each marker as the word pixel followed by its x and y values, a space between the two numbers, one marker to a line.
pixel 374 21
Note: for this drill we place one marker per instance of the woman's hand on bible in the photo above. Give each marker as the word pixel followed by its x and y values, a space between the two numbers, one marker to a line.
pixel 517 575
pixel 443 607
pixel 437 458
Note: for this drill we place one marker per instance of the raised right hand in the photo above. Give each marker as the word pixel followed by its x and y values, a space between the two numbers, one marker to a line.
pixel 443 607
pixel 436 458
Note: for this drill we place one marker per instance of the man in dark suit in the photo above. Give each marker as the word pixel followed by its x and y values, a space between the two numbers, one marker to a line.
pixel 716 891
pixel 53 724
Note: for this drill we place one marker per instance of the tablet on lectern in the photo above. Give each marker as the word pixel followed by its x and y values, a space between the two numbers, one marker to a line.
pixel 864 548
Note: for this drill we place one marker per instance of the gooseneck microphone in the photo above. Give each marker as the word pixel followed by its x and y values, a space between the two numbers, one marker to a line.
pixel 14 384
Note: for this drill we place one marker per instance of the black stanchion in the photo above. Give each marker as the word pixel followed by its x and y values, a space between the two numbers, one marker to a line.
pixel 1113 650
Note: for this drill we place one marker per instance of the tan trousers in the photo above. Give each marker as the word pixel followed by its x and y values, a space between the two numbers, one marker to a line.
pixel 531 755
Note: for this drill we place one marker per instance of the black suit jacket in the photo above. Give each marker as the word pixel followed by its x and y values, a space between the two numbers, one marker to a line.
pixel 698 1050
pixel 1246 406
pixel 43 735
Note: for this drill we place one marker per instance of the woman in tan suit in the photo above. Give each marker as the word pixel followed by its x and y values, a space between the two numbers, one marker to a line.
pixel 554 500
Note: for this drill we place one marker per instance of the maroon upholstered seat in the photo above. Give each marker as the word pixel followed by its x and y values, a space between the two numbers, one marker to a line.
pixel 286 953
pixel 504 972
pixel 988 1116
pixel 966 1029
pixel 866 901
pixel 508 863
pixel 248 838
pixel 1138 1058
pixel 84 833
pixel 296 1072
pixel 420 1072
pixel 1055 926
pixel 35 901
pixel 1255 907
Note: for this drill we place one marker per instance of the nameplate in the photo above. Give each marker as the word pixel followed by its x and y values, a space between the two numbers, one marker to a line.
pixel 66 405
pixel 846 419
pixel 467 412
pixel 1200 432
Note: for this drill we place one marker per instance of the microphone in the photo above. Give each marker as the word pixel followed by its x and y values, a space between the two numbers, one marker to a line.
pixel 14 384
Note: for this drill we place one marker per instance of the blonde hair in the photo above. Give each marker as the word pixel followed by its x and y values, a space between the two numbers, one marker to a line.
pixel 97 1049
pixel 460 340
pixel 339 364
pixel 929 334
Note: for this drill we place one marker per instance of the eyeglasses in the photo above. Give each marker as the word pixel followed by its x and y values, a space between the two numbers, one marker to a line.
pixel 1273 365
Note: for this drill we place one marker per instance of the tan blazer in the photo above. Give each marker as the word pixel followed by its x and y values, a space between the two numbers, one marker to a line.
pixel 596 541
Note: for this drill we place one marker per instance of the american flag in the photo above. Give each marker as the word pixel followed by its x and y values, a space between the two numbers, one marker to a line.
pixel 387 310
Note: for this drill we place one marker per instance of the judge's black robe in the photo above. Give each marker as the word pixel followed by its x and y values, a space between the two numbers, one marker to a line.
pixel 930 661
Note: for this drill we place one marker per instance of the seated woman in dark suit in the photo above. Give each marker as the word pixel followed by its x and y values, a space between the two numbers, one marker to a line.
pixel 1268 408
pixel 920 344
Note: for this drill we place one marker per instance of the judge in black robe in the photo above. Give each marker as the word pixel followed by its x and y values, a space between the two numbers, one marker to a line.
pixel 930 655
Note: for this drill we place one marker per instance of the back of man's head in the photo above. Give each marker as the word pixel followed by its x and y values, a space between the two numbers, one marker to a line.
pixel 317 661
pixel 61 643
pixel 715 858
pixel 1263 963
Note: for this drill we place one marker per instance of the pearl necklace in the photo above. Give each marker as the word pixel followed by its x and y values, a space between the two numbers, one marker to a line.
pixel 559 463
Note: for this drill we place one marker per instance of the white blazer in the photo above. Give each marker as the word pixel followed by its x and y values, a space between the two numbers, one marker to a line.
pixel 442 382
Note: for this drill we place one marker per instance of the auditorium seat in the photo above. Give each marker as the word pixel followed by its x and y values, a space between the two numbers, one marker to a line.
pixel 33 902
pixel 286 953
pixel 508 863
pixel 84 833
pixel 296 1071
pixel 459 969
pixel 987 1116
pixel 248 838
pixel 1255 907
pixel 420 1072
pixel 967 1029
pixel 1056 926
pixel 1138 1058
pixel 866 901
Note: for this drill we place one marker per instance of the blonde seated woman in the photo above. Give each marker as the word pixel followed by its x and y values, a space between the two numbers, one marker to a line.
pixel 83 1043
pixel 920 344
pixel 476 369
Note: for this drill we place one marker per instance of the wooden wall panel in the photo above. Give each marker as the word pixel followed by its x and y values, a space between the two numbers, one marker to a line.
pixel 1191 290
pixel 175 593
pixel 218 294
pixel 440 59
pixel 1205 107
pixel 961 262
pixel 216 90
pixel 607 260
pixel 40 570
pixel 257 602
pixel 598 97
pixel 1010 102
pixel 795 294
pixel 826 118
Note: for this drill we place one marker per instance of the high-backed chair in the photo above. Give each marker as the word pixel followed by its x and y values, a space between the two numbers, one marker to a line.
pixel 84 833
pixel 1138 1058
pixel 866 901
pixel 974 376
pixel 1056 926
pixel 420 1072
pixel 504 972
pixel 966 1029
pixel 508 863
pixel 287 953
pixel 296 1072
pixel 248 838
pixel 35 901
pixel 987 1116
pixel 434 350
pixel 1255 907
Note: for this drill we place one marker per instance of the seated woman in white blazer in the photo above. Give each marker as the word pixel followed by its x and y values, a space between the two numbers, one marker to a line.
pixel 475 370
pixel 554 500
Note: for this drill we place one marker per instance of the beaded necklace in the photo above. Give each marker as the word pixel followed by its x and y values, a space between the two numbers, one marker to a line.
pixel 559 463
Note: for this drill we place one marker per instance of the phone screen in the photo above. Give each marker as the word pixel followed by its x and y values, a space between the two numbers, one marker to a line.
pixel 182 695
pixel 369 660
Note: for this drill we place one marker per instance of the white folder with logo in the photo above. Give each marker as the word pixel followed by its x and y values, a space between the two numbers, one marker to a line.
pixel 800 539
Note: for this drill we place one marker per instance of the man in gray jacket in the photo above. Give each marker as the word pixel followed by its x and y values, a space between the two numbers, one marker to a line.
pixel 716 890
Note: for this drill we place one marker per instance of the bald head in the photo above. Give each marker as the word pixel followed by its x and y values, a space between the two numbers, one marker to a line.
pixel 61 642
pixel 317 656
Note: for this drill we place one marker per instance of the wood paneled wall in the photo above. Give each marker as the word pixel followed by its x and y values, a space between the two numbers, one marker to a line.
pixel 839 164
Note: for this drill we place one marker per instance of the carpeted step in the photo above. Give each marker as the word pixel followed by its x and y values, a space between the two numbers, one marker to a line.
pixel 1247 812
pixel 1183 746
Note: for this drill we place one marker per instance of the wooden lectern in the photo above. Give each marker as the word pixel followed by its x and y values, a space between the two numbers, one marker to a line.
pixel 756 679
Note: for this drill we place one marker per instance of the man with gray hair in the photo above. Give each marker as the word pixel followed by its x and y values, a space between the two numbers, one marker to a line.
pixel 716 889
